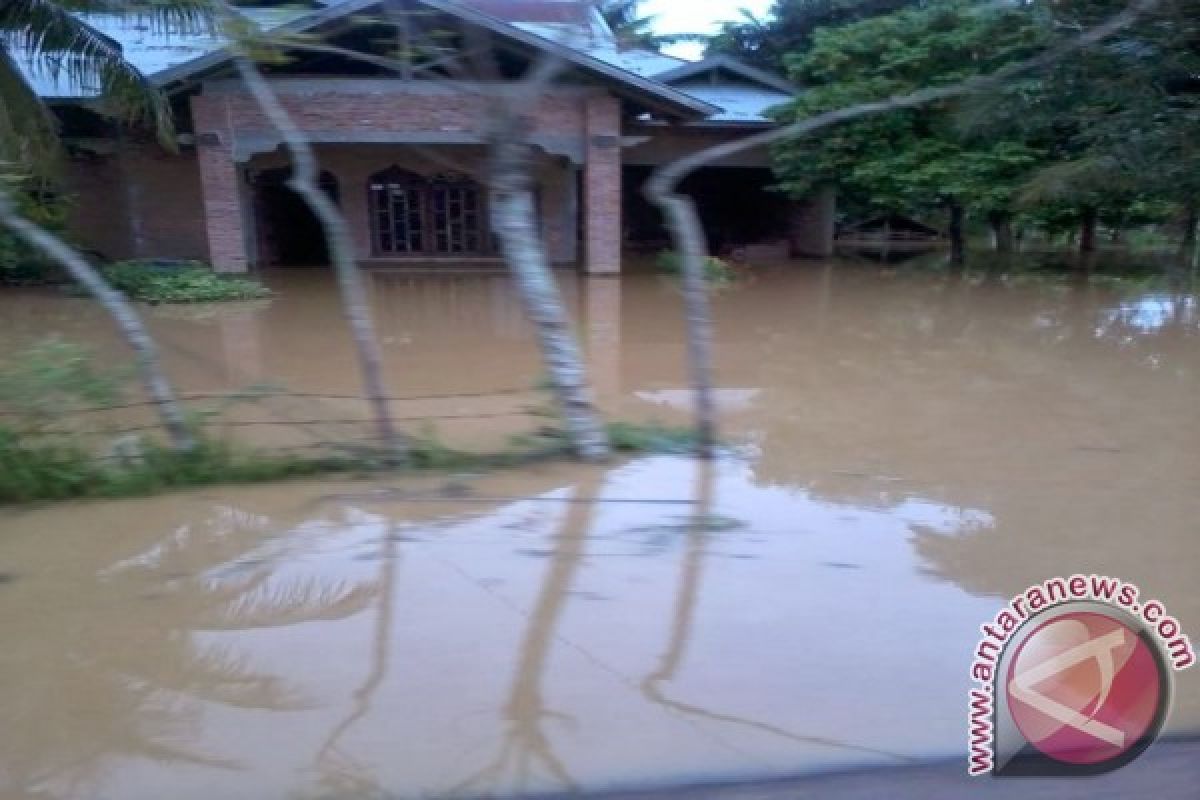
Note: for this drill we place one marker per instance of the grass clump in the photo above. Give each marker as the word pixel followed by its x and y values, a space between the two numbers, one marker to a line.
pixel 179 282
pixel 716 270
pixel 33 471
pixel 54 446
pixel 630 437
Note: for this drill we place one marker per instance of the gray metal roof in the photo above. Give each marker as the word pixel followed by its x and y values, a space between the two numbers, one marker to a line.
pixel 166 55
pixel 747 104
pixel 152 49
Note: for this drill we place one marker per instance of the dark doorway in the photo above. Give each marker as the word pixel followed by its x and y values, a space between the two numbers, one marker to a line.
pixel 288 232
pixel 737 207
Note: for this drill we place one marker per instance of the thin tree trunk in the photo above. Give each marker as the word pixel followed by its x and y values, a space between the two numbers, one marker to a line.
pixel 688 235
pixel 514 222
pixel 1190 219
pixel 958 247
pixel 158 387
pixel 305 182
pixel 1087 231
pixel 1002 231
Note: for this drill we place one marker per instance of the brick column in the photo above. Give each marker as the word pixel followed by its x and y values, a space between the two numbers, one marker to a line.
pixel 602 186
pixel 220 183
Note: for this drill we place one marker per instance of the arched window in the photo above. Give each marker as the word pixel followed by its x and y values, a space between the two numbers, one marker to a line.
pixel 398 219
pixel 416 216
pixel 457 215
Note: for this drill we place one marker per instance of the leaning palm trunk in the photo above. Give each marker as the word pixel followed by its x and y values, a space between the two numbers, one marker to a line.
pixel 688 234
pixel 304 182
pixel 513 221
pixel 158 387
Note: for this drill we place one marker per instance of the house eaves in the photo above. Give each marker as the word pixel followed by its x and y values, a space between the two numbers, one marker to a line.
pixel 652 93
pixel 729 64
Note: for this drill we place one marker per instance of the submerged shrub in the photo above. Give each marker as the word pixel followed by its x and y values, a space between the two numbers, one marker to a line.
pixel 45 382
pixel 630 437
pixel 716 270
pixel 21 265
pixel 179 282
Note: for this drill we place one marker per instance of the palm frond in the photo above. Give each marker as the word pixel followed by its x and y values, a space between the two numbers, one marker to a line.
pixel 28 132
pixel 56 41
pixel 291 604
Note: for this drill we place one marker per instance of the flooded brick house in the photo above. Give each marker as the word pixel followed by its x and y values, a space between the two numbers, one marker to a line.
pixel 402 151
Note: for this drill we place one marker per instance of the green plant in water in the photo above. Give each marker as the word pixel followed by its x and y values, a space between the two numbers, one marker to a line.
pixel 179 282
pixel 630 437
pixel 20 265
pixel 716 270
pixel 51 450
pixel 49 380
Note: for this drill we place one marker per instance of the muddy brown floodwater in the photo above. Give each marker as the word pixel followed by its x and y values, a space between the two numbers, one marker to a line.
pixel 912 449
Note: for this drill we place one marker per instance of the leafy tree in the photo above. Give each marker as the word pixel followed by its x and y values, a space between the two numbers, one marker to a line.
pixel 1124 119
pixel 789 26
pixel 58 41
pixel 915 159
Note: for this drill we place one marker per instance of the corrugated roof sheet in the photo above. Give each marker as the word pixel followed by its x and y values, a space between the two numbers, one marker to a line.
pixel 646 63
pixel 561 12
pixel 150 48
pixel 737 103
pixel 154 50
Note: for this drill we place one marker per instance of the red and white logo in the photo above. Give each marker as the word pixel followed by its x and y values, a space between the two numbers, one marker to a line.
pixel 1084 688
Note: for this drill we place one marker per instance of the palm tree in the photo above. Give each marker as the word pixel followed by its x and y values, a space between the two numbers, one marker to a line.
pixel 634 29
pixel 55 39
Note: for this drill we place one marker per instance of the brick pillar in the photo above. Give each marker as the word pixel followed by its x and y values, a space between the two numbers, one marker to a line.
pixel 813 224
pixel 602 186
pixel 221 187
pixel 559 216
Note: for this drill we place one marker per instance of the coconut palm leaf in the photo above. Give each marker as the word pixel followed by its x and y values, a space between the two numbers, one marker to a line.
pixel 56 41
pixel 633 29
pixel 221 675
pixel 27 129
pixel 290 604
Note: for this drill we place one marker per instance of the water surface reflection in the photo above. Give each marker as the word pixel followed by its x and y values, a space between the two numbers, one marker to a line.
pixel 912 448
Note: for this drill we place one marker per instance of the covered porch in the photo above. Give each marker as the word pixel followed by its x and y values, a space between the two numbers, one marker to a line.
pixel 407 165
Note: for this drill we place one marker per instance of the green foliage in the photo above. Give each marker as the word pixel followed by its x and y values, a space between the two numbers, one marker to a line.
pixel 632 28
pixel 57 39
pixel 49 380
pixel 19 264
pixel 716 270
pixel 628 437
pixel 184 282
pixel 910 159
pixel 31 471
pixel 789 26
pixel 50 449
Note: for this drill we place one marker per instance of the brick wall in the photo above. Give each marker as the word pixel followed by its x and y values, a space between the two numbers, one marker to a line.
pixel 138 202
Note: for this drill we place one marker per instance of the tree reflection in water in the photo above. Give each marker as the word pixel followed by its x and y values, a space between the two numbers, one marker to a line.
pixel 683 621
pixel 525 746
pixel 132 650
